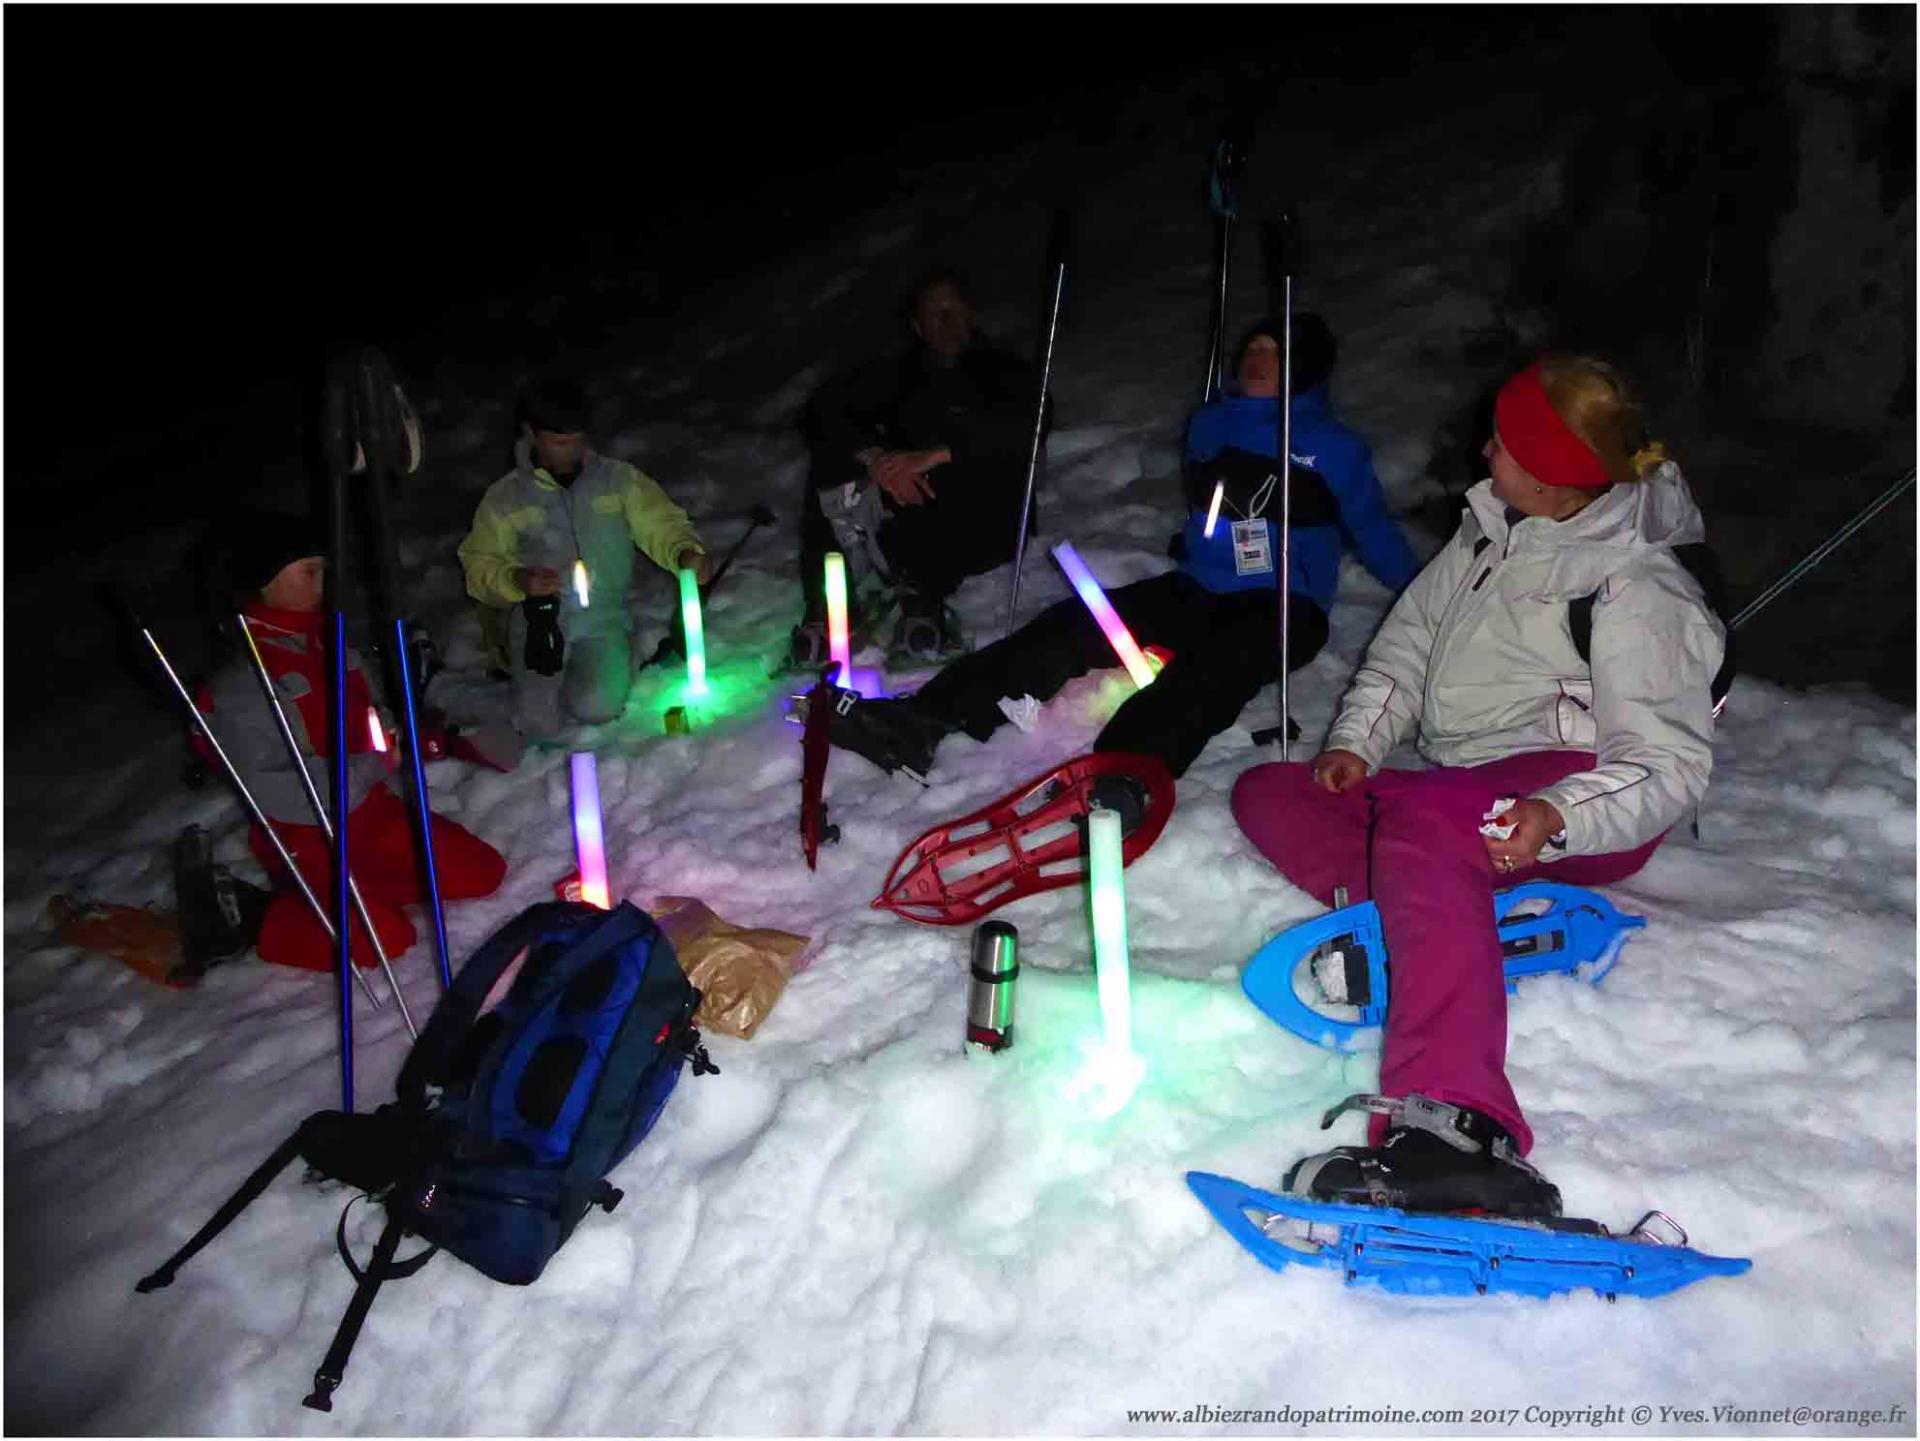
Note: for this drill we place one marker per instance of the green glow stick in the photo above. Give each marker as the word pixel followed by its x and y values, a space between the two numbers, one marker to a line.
pixel 696 635
pixel 1117 1068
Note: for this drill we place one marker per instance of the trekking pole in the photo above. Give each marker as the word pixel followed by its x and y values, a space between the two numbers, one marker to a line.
pixel 320 815
pixel 338 436
pixel 1058 245
pixel 1280 249
pixel 389 438
pixel 247 798
pixel 1223 200
pixel 1823 550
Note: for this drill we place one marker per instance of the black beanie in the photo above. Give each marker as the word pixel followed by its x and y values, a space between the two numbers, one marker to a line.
pixel 557 405
pixel 1314 348
pixel 258 544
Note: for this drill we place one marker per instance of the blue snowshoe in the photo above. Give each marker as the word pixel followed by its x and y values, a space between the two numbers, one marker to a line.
pixel 1410 1253
pixel 1326 979
pixel 1446 1205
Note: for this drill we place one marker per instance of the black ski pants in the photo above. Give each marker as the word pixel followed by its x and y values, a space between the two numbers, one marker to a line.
pixel 1225 648
pixel 968 528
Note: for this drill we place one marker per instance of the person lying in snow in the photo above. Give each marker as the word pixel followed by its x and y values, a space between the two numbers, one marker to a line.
pixel 281 575
pixel 919 467
pixel 1544 765
pixel 565 510
pixel 1217 613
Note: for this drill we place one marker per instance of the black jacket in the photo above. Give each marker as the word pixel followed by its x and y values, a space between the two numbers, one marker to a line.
pixel 980 408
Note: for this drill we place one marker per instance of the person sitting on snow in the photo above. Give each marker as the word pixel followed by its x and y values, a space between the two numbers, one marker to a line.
pixel 277 564
pixel 1218 612
pixel 552 544
pixel 919 468
pixel 1588 761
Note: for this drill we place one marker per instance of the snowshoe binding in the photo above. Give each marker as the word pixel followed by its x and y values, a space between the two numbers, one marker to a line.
pixel 1436 1157
pixel 1326 979
pixel 1032 839
pixel 892 733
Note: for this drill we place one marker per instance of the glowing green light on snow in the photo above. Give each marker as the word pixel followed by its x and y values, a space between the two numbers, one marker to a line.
pixel 696 635
pixel 1114 1071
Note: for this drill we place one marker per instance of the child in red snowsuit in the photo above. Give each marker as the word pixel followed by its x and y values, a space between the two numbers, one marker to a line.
pixel 285 578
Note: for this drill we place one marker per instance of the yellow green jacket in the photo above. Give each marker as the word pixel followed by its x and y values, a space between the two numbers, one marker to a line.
pixel 527 518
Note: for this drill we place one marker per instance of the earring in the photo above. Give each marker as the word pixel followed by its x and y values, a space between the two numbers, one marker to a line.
pixel 1539 490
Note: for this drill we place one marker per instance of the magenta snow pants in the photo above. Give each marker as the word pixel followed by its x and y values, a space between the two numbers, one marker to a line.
pixel 1410 842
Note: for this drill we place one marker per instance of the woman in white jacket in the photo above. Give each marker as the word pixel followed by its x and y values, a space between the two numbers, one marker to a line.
pixel 1587 761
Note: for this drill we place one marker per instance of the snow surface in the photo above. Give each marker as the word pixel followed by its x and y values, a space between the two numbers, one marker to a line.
pixel 859 1228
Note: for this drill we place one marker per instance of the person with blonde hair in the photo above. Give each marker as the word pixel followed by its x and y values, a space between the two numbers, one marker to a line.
pixel 1544 763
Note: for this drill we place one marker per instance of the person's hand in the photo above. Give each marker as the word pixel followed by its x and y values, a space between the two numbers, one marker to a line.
pixel 902 474
pixel 537 579
pixel 1533 820
pixel 1338 771
pixel 697 561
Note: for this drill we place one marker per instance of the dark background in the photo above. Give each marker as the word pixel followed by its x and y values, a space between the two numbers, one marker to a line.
pixel 201 199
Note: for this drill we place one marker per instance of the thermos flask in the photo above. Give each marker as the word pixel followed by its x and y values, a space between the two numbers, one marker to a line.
pixel 996 966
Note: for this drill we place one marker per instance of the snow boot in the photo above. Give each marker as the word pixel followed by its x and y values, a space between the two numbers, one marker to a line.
pixel 927 632
pixel 1125 794
pixel 807 647
pixel 1436 1158
pixel 220 915
pixel 893 734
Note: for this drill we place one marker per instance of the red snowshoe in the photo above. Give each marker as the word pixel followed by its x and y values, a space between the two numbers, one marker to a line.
pixel 1029 840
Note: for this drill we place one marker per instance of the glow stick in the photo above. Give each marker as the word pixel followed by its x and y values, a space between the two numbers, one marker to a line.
pixel 375 731
pixel 1213 508
pixel 1117 1068
pixel 580 582
pixel 588 843
pixel 695 632
pixel 838 648
pixel 1110 624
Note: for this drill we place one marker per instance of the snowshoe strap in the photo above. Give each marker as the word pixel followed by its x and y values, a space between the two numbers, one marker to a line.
pixel 1460 1128
pixel 397 1271
pixel 1361 1101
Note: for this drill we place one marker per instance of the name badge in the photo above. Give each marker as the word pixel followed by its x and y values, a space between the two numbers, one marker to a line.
pixel 1252 547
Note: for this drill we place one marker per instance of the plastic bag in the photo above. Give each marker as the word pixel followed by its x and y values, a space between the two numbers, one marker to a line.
pixel 741 972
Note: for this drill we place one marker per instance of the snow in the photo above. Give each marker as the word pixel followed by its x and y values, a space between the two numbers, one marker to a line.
pixel 860 1228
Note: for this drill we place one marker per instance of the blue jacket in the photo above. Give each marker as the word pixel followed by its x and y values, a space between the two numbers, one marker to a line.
pixel 1322 445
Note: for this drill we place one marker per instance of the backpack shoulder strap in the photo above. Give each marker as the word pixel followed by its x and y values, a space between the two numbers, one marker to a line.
pixel 432 1054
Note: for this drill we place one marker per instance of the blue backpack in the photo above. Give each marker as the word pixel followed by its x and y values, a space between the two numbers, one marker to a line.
pixel 507 1122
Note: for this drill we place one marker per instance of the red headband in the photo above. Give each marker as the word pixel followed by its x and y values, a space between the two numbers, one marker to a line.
pixel 1535 435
